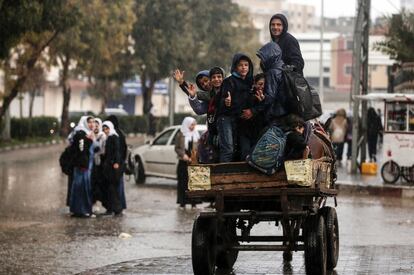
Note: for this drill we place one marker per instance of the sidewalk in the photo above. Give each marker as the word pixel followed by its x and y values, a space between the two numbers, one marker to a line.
pixel 371 184
pixel 132 139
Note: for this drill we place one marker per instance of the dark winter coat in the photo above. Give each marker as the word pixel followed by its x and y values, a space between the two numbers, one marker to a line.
pixel 295 145
pixel 81 145
pixel 374 125
pixel 242 98
pixel 123 149
pixel 112 155
pixel 275 98
pixel 239 90
pixel 291 54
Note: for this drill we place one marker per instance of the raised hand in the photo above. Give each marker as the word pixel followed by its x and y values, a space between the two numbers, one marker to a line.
pixel 192 90
pixel 259 95
pixel 227 100
pixel 178 76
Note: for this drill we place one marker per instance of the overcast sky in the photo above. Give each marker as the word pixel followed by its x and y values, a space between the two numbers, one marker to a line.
pixel 335 8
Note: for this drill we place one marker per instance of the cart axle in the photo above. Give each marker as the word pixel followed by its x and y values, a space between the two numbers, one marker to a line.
pixel 266 239
pixel 267 248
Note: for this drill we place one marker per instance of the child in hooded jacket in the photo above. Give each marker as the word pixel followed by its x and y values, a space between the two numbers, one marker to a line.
pixel 234 111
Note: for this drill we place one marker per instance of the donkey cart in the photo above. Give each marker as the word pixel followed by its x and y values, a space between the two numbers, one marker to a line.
pixel 243 197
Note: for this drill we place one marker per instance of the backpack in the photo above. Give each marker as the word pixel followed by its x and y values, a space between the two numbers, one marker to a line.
pixel 207 152
pixel 268 154
pixel 301 99
pixel 66 160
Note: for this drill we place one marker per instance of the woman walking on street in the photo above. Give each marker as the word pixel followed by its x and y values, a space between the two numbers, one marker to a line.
pixel 337 129
pixel 185 142
pixel 81 192
pixel 374 128
pixel 112 169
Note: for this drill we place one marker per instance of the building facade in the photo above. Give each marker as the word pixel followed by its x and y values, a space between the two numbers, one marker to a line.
pixel 341 65
pixel 302 18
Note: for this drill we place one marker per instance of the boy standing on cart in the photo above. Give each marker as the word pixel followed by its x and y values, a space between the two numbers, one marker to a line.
pixel 232 111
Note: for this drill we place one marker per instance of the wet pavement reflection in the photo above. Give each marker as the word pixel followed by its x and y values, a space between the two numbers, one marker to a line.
pixel 38 236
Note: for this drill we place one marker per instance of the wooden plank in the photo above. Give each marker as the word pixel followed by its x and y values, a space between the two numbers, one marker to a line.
pixel 229 167
pixel 246 178
pixel 303 191
pixel 252 185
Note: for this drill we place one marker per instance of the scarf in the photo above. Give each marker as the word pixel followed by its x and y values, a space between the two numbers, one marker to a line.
pixel 83 125
pixel 110 125
pixel 189 136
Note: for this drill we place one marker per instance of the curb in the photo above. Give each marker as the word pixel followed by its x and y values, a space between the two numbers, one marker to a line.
pixel 31 145
pixel 53 142
pixel 406 192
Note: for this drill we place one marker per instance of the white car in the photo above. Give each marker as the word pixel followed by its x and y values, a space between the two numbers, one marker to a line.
pixel 158 158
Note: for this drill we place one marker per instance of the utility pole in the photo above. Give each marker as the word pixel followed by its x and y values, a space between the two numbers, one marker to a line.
pixel 360 80
pixel 171 92
pixel 321 91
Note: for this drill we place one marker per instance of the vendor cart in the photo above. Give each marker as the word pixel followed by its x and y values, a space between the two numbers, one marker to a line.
pixel 398 141
pixel 243 197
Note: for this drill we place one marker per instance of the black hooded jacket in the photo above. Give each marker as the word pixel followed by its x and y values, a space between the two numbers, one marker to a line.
pixel 123 148
pixel 291 54
pixel 239 90
pixel 275 99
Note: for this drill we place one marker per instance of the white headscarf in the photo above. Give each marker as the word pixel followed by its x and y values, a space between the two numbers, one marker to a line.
pixel 100 132
pixel 83 125
pixel 111 127
pixel 187 133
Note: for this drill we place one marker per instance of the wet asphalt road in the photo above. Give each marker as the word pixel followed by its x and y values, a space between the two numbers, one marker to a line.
pixel 37 235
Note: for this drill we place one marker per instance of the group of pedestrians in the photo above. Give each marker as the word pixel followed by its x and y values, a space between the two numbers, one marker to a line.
pixel 98 161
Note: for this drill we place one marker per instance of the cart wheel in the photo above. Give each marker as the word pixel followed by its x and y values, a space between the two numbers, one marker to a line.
pixel 315 245
pixel 203 246
pixel 227 257
pixel 390 171
pixel 408 174
pixel 332 236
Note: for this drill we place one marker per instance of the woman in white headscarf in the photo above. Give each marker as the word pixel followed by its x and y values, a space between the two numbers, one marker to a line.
pixel 98 187
pixel 81 190
pixel 185 142
pixel 112 169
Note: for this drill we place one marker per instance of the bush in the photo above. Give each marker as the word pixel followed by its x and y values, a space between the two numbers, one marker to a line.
pixel 22 128
pixel 132 124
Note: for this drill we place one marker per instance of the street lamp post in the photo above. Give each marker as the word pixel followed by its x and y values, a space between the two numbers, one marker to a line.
pixel 321 91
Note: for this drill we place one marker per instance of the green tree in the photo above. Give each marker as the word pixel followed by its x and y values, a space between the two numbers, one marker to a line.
pixel 190 35
pixel 94 47
pixel 107 59
pixel 27 29
pixel 399 42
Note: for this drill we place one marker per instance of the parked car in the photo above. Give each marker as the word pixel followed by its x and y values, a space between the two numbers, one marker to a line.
pixel 158 158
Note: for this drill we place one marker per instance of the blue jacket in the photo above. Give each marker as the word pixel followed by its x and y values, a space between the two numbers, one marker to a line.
pixel 271 58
